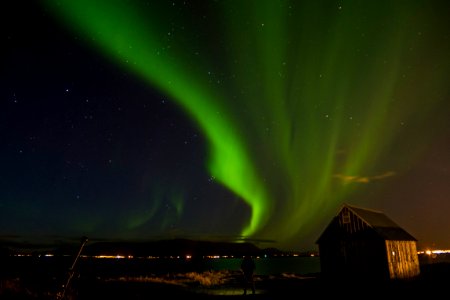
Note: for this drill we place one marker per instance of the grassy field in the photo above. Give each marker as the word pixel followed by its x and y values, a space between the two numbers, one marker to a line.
pixel 36 283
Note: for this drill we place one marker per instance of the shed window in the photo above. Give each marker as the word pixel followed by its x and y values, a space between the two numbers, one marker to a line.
pixel 346 218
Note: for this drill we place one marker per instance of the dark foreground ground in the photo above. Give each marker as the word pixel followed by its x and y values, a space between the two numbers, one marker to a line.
pixel 434 281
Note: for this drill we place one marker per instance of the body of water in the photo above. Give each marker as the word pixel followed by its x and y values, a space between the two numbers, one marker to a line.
pixel 270 266
pixel 110 267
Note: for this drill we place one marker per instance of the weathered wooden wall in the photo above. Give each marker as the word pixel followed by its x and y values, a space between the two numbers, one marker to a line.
pixel 403 260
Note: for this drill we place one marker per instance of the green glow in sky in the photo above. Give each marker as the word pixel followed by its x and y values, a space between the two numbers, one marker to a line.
pixel 302 103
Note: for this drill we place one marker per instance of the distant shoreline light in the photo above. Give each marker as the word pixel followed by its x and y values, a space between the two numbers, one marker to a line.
pixel 429 252
pixel 189 257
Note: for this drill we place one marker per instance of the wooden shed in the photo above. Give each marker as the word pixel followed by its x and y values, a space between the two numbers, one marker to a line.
pixel 363 244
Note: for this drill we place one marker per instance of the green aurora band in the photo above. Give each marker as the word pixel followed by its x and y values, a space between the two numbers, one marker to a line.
pixel 301 102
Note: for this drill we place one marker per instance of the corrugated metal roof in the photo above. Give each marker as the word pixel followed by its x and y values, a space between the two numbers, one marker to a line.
pixel 383 225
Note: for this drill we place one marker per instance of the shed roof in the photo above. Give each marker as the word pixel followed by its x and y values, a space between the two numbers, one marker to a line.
pixel 383 225
pixel 372 217
pixel 380 224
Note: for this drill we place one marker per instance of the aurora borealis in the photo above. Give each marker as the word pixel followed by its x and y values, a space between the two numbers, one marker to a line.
pixel 279 112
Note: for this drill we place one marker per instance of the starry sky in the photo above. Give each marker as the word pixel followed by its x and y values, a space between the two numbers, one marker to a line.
pixel 229 120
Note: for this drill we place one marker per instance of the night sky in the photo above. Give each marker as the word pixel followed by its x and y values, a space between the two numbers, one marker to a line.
pixel 223 120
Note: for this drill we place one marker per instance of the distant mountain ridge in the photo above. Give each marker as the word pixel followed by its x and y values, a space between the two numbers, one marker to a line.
pixel 172 247
pixel 157 248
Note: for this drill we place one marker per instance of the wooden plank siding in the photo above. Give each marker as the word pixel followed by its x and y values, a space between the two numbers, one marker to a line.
pixel 403 261
pixel 350 222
